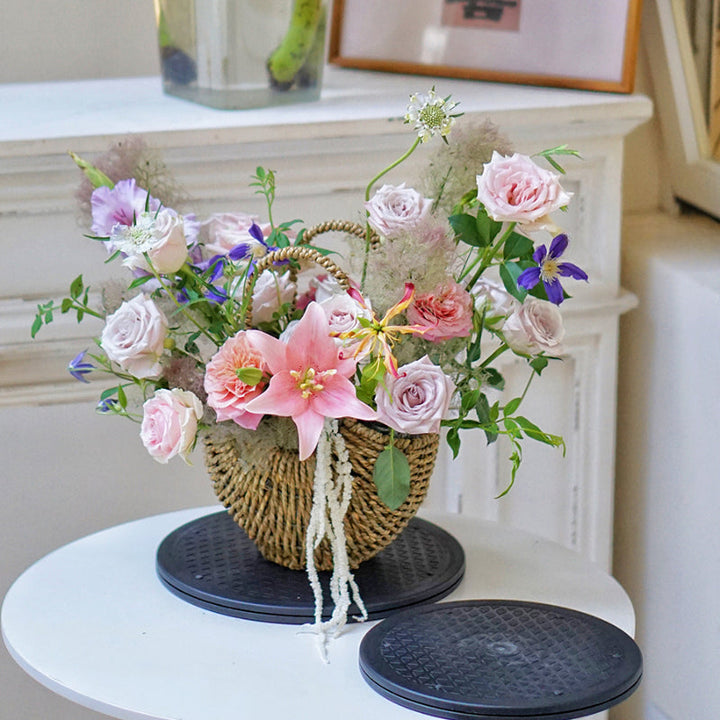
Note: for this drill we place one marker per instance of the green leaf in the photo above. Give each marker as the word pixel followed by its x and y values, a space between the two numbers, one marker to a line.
pixel 511 406
pixel 487 228
pixel 37 324
pixel 466 230
pixel 539 363
pixel 76 287
pixel 509 273
pixel 453 440
pixel 518 246
pixel 494 378
pixel 138 281
pixel 66 305
pixel 122 397
pixel 468 400
pixel 482 408
pixel 250 375
pixel 392 477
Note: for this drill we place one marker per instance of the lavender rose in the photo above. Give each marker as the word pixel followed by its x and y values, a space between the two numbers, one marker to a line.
pixel 417 400
pixel 515 189
pixel 343 312
pixel 270 292
pixel 536 327
pixel 497 302
pixel 394 210
pixel 221 232
pixel 134 337
pixel 169 424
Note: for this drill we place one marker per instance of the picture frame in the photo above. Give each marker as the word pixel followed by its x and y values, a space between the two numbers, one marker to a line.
pixel 584 44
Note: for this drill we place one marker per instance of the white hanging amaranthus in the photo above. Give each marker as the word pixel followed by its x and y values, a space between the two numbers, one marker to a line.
pixel 331 498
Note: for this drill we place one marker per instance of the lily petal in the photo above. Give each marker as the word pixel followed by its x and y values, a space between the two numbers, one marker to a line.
pixel 309 427
pixel 281 397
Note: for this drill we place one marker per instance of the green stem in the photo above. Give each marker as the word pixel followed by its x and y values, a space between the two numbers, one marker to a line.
pixel 494 355
pixel 88 311
pixel 490 253
pixel 179 306
pixel 368 190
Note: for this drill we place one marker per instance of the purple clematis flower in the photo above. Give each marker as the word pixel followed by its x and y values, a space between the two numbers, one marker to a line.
pixel 78 369
pixel 549 270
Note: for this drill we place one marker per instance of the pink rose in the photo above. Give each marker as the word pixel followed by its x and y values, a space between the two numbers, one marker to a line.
pixel 536 327
pixel 446 313
pixel 227 393
pixel 159 235
pixel 169 424
pixel 134 336
pixel 221 232
pixel 515 189
pixel 394 210
pixel 417 400
pixel 270 292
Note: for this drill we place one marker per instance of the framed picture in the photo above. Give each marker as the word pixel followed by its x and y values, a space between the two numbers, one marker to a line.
pixel 588 44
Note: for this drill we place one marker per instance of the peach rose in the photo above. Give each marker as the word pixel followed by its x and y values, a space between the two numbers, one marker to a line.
pixel 446 313
pixel 227 393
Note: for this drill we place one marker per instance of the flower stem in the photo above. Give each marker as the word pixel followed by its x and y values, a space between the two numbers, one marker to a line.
pixel 368 190
pixel 499 351
pixel 490 253
pixel 179 305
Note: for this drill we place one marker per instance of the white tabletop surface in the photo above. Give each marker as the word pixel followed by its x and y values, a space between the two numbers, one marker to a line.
pixel 92 622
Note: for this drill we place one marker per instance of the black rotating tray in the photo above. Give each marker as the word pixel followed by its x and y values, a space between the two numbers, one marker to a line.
pixel 210 562
pixel 500 659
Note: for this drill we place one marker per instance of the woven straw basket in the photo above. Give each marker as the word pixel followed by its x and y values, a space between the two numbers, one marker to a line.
pixel 269 491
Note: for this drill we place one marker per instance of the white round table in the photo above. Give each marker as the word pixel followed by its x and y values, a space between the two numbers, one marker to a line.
pixel 92 622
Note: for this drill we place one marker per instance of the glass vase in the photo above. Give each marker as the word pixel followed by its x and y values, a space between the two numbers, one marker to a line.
pixel 235 54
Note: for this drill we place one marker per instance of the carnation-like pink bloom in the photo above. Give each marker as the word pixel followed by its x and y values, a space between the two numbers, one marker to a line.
pixel 228 395
pixel 445 313
pixel 515 189
pixel 119 205
pixel 309 380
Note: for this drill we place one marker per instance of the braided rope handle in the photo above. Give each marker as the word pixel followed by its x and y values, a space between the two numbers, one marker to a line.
pixel 295 252
pixel 351 228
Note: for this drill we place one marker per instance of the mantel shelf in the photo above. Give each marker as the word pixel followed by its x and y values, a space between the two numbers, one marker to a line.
pixel 40 118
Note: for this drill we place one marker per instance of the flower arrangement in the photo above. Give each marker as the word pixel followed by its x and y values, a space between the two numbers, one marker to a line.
pixel 222 327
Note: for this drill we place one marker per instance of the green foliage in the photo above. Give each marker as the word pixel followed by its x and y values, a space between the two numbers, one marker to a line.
pixel 392 476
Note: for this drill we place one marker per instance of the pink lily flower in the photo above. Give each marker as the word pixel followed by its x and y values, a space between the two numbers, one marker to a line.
pixel 309 380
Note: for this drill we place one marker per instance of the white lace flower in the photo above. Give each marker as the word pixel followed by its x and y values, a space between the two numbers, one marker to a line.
pixel 430 114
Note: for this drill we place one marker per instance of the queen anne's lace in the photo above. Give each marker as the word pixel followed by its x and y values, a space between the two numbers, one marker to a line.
pixel 331 497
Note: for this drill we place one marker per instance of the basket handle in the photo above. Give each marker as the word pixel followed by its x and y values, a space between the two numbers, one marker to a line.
pixel 294 252
pixel 351 228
